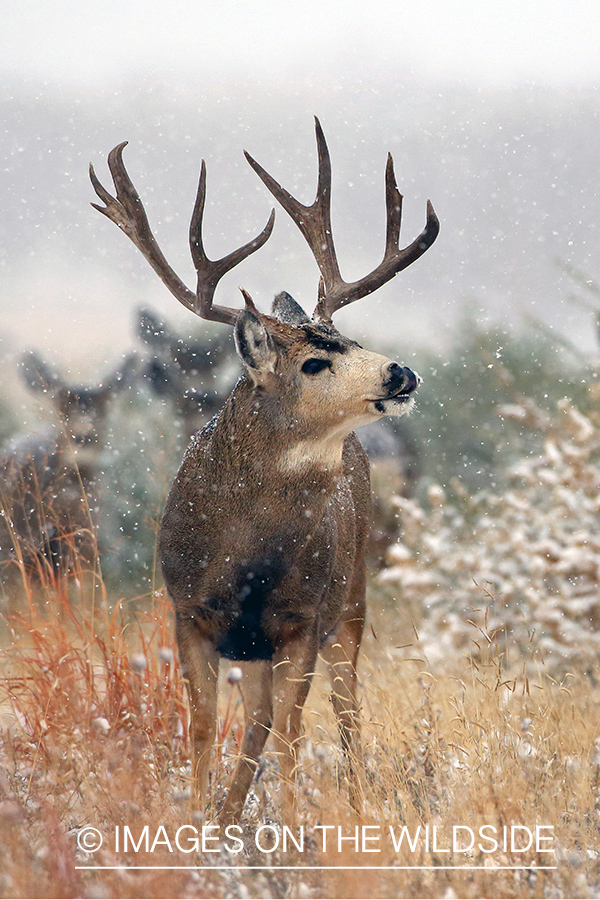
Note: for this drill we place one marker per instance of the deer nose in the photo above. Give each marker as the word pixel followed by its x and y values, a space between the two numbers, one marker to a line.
pixel 399 378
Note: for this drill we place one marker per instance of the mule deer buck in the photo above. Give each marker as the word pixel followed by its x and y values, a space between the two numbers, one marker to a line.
pixel 50 481
pixel 264 532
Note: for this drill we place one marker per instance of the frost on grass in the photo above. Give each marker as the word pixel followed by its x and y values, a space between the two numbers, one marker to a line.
pixel 527 556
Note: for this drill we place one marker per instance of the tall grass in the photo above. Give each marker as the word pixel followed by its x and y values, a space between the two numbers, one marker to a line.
pixel 480 707
pixel 94 733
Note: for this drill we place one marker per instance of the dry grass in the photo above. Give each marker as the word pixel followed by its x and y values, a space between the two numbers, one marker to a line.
pixel 94 734
pixel 470 718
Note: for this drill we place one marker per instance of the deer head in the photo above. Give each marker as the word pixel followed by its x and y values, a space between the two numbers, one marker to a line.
pixel 194 374
pixel 81 410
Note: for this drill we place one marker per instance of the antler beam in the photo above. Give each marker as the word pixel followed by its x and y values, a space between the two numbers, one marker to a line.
pixel 314 222
pixel 126 211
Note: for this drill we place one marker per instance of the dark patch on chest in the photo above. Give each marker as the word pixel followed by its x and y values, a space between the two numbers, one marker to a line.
pixel 244 637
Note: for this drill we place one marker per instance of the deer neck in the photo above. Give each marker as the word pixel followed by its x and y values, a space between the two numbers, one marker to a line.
pixel 269 451
pixel 82 463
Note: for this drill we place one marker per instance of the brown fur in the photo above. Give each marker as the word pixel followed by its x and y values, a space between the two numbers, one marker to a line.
pixel 263 546
pixel 197 375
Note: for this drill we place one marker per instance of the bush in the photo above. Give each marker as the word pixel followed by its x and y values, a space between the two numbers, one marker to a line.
pixel 456 423
pixel 528 555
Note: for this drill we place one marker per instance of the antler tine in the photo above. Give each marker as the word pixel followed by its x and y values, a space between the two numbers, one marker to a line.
pixel 314 222
pixel 210 272
pixel 394 259
pixel 126 210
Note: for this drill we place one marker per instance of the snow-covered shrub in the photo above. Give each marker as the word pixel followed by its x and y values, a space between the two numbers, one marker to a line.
pixel 516 569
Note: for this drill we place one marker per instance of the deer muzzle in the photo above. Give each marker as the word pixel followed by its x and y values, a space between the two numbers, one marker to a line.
pixel 401 382
pixel 399 385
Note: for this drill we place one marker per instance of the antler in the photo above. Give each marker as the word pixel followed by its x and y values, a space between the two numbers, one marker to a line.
pixel 127 211
pixel 314 222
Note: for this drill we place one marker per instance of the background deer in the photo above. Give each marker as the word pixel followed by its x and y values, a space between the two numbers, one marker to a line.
pixel 50 481
pixel 264 532
pixel 195 375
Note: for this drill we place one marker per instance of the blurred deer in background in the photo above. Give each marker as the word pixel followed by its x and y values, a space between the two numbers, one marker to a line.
pixel 195 375
pixel 264 532
pixel 51 480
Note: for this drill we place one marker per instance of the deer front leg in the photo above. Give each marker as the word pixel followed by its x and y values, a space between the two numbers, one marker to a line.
pixel 200 667
pixel 341 654
pixel 256 688
pixel 293 668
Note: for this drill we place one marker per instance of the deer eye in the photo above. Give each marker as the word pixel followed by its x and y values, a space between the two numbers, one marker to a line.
pixel 313 366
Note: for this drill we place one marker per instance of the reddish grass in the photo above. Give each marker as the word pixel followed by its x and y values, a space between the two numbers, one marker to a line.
pixel 93 715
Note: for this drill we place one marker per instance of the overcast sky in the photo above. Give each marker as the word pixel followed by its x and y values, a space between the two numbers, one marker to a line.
pixel 214 74
pixel 96 43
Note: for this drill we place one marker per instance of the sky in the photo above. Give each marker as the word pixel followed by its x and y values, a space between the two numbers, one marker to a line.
pixel 496 42
pixel 261 70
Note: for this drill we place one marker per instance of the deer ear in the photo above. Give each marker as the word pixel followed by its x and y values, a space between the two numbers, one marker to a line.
pixel 255 346
pixel 37 374
pixel 287 310
pixel 151 331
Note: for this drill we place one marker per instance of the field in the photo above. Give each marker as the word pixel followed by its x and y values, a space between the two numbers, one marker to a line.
pixel 94 735
pixel 480 703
